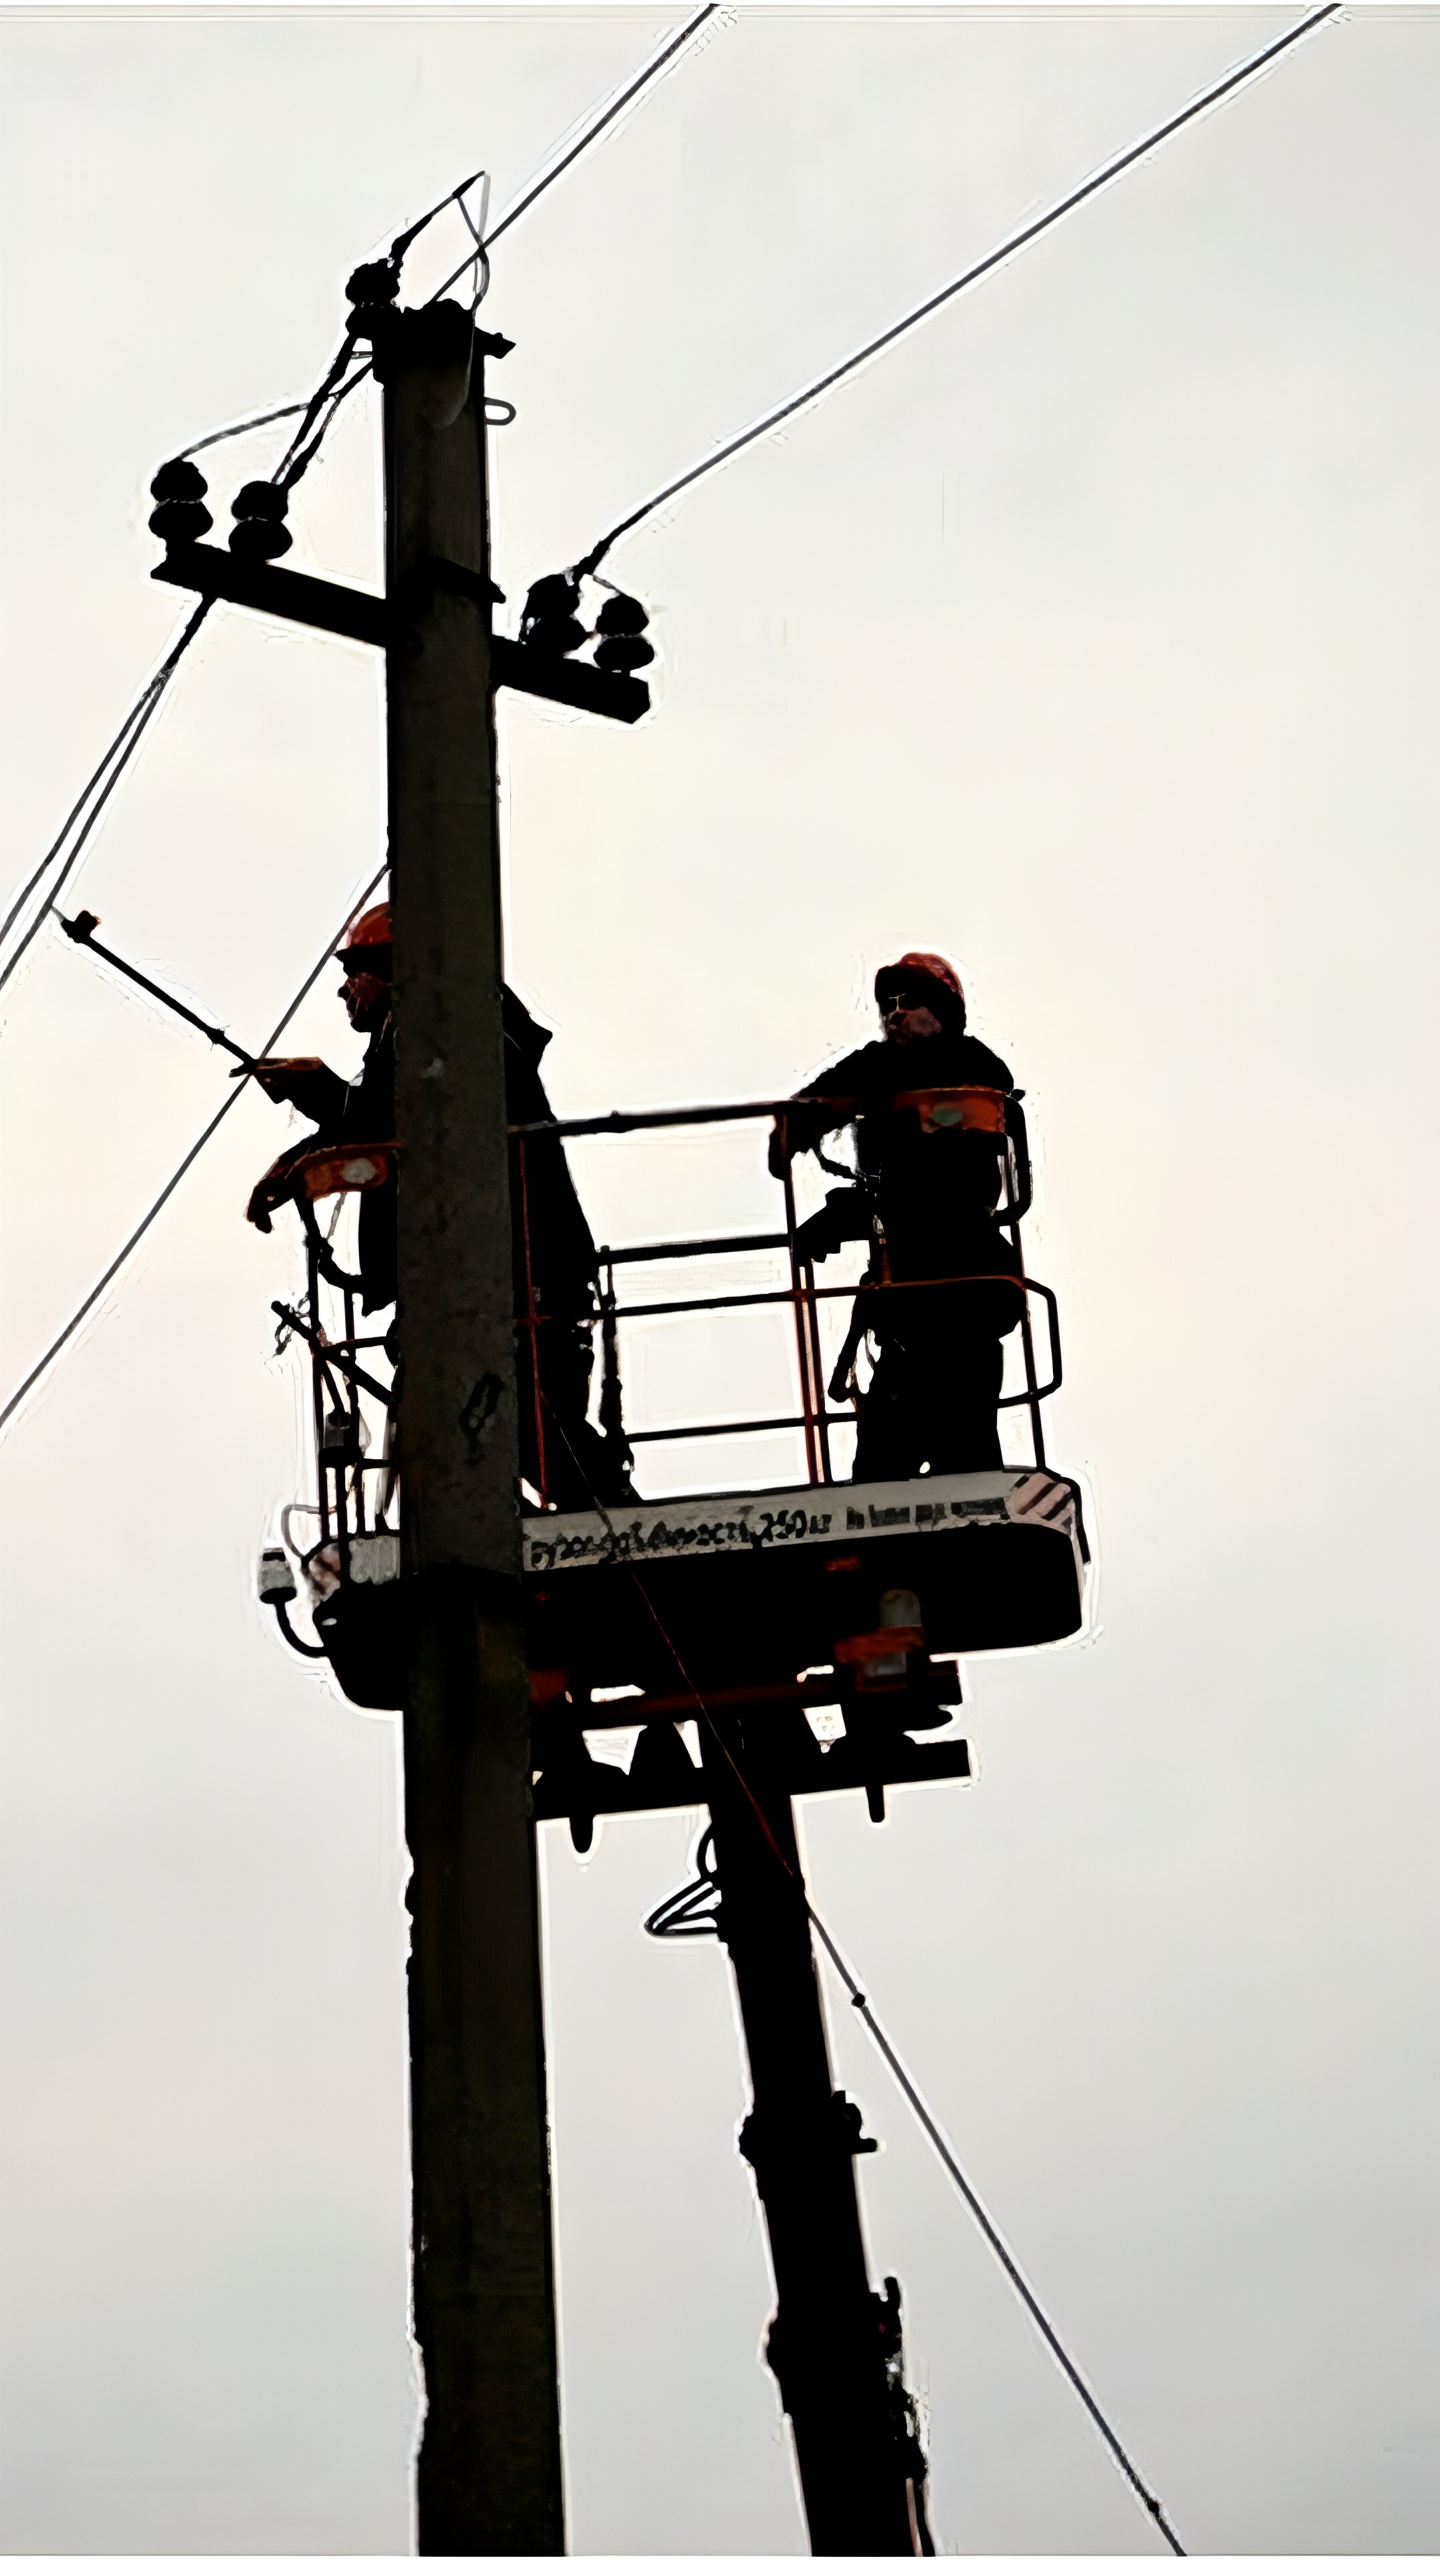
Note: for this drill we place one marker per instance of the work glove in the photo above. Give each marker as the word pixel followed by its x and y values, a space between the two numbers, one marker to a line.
pixel 303 1081
pixel 265 1197
pixel 845 1219
pixel 274 1187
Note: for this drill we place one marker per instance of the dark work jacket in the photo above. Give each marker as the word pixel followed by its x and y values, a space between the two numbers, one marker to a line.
pixel 562 1249
pixel 563 1264
pixel 933 1192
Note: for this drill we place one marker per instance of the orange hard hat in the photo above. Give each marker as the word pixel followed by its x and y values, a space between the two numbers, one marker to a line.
pixel 365 951
pixel 923 964
pixel 369 931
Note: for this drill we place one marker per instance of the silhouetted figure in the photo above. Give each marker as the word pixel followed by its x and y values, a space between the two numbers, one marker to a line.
pixel 925 1198
pixel 580 1465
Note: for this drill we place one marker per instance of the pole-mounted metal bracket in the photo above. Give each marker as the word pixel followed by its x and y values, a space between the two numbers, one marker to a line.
pixel 433 575
pixel 840 2128
pixel 354 615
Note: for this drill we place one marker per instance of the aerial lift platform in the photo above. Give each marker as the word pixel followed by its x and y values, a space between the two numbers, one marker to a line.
pixel 781 1600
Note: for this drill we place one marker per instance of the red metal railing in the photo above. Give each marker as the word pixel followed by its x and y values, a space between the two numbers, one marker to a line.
pixel 352 1504
pixel 815 1421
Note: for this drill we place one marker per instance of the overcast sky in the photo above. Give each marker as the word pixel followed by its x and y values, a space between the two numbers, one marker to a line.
pixel 1090 637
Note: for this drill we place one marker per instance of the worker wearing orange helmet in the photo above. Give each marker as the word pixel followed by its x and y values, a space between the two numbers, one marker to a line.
pixel 580 1464
pixel 925 1200
pixel 358 1113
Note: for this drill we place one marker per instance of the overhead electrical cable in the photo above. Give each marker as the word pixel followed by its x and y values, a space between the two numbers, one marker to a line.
pixel 1099 178
pixel 293 462
pixel 242 427
pixel 92 799
pixel 27 889
pixel 592 132
pixel 334 389
pixel 177 1177
pixel 860 2000
pixel 309 409
pixel 405 239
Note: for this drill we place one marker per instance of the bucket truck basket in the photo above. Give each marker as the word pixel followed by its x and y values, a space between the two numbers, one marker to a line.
pixel 785 1595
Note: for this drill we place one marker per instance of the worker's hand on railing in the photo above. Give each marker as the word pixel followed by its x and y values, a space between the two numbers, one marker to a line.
pixel 275 1186
pixel 267 1195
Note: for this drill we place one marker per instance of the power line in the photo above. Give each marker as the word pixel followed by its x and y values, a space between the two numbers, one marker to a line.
pixel 404 239
pixel 591 134
pixel 1018 240
pixel 242 427
pixel 178 1176
pixel 859 2000
pixel 308 410
pixel 523 203
pixel 335 390
pixel 512 213
pixel 101 783
pixel 294 463
pixel 118 755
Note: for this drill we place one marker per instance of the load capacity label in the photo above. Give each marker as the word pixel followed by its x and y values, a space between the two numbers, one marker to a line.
pixel 810 1515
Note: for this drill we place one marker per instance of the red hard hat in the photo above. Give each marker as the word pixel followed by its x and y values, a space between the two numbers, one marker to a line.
pixel 923 964
pixel 369 930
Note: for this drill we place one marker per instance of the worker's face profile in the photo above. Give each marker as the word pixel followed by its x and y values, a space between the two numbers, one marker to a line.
pixel 366 999
pixel 905 1016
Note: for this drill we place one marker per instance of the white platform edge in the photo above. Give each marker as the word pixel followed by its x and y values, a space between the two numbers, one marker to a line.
pixel 810 1515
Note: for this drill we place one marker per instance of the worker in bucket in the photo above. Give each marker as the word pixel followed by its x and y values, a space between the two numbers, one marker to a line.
pixel 924 1195
pixel 360 1113
pixel 560 1281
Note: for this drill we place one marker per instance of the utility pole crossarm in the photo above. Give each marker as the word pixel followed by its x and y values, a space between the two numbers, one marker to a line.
pixel 567 680
pixel 353 614
pixel 347 611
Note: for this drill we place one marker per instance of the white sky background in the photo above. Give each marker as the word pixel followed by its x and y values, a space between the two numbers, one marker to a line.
pixel 1084 637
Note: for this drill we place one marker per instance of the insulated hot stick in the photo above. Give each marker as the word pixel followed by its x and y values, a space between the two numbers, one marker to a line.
pixel 81 928
pixel 92 1298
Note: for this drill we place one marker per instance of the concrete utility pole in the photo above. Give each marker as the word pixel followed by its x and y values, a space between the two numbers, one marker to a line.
pixel 489 2467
